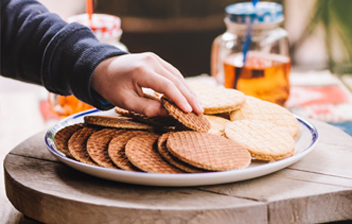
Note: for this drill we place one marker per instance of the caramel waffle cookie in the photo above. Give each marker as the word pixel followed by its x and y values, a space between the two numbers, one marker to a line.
pixel 208 151
pixel 142 153
pixel 62 137
pixel 77 145
pixel 264 140
pixel 218 125
pixel 116 149
pixel 191 120
pixel 115 122
pixel 256 109
pixel 155 121
pixel 97 146
pixel 216 99
pixel 164 152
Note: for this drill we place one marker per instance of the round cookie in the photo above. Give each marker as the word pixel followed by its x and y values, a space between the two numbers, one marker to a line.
pixel 115 122
pixel 216 100
pixel 264 140
pixel 218 124
pixel 116 149
pixel 62 137
pixel 208 151
pixel 77 145
pixel 256 109
pixel 193 121
pixel 141 151
pixel 97 146
pixel 164 152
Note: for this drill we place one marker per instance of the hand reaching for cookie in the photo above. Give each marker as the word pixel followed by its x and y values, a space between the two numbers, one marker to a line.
pixel 120 80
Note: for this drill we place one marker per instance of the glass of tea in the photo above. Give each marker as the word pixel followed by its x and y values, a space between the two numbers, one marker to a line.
pixel 265 71
pixel 265 76
pixel 66 105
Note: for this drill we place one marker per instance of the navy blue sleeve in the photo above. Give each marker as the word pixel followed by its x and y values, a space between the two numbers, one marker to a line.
pixel 39 47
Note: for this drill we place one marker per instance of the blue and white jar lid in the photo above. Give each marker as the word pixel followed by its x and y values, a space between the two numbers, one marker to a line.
pixel 263 12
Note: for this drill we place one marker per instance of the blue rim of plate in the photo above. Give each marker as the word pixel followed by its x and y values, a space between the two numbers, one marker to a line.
pixel 186 176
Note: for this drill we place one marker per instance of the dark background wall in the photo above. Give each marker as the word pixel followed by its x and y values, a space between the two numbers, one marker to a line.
pixel 180 31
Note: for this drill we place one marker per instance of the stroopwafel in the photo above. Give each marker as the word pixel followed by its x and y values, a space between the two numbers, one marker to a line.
pixel 77 145
pixel 116 149
pixel 142 153
pixel 191 120
pixel 115 122
pixel 256 109
pixel 208 151
pixel 97 146
pixel 264 140
pixel 172 159
pixel 62 137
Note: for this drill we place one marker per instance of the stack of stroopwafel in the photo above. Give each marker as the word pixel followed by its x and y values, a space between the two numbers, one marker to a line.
pixel 234 130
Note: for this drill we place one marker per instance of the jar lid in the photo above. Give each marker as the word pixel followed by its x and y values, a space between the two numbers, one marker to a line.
pixel 263 12
pixel 102 25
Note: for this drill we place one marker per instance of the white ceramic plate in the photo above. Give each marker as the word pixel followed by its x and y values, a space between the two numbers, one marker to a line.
pixel 305 142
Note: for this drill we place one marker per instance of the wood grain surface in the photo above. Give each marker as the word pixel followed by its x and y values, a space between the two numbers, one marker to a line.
pixel 316 189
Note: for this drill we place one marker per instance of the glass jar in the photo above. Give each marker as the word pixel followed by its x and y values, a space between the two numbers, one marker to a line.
pixel 107 29
pixel 264 73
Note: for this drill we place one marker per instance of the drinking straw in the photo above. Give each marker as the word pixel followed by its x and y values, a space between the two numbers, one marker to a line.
pixel 248 37
pixel 89 8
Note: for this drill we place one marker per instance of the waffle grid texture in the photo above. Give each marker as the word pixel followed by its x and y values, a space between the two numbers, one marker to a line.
pixel 115 122
pixel 191 120
pixel 256 109
pixel 142 153
pixel 62 137
pixel 78 145
pixel 164 152
pixel 116 149
pixel 97 146
pixel 217 100
pixel 207 151
pixel 264 140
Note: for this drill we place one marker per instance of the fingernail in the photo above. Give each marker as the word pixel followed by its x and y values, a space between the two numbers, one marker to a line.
pixel 188 108
pixel 200 107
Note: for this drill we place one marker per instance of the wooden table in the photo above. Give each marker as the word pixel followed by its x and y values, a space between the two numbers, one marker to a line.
pixel 316 189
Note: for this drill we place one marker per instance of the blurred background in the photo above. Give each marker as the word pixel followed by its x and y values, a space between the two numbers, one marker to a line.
pixel 182 31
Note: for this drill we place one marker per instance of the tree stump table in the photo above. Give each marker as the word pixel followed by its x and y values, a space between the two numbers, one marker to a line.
pixel 316 189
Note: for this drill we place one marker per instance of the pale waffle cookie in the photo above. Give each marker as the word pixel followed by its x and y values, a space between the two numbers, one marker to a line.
pixel 264 140
pixel 77 145
pixel 164 152
pixel 217 100
pixel 256 109
pixel 121 111
pixel 116 149
pixel 142 153
pixel 191 120
pixel 62 137
pixel 97 146
pixel 115 122
pixel 218 125
pixel 208 151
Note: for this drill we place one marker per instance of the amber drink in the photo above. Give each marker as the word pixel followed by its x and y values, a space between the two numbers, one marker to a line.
pixel 265 76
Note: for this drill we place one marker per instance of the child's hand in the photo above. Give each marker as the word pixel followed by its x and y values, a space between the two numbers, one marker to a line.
pixel 120 80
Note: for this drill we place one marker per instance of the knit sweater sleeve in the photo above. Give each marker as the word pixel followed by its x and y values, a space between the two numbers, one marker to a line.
pixel 39 47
